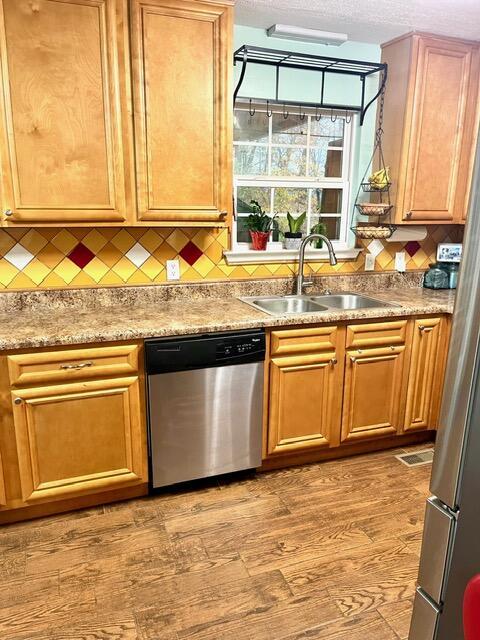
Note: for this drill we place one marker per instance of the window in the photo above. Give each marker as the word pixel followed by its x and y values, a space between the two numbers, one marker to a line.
pixel 292 162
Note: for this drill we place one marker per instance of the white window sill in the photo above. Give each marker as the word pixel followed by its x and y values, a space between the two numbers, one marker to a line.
pixel 249 256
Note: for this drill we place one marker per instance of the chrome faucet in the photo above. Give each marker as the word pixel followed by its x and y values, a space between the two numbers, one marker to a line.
pixel 301 258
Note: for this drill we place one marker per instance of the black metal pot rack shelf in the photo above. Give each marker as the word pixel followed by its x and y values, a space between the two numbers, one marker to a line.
pixel 321 64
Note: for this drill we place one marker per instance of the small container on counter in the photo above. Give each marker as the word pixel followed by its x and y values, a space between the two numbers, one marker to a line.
pixel 437 277
pixel 452 268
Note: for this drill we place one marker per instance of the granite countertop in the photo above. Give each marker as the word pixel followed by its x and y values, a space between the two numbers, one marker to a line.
pixel 42 326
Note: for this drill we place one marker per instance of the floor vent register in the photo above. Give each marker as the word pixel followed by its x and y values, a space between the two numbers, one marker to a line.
pixel 417 458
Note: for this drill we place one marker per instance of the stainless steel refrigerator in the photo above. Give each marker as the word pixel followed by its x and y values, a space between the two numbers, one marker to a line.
pixel 451 538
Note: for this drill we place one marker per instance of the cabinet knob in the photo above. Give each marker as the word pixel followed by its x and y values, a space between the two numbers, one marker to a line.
pixel 333 361
pixel 223 214
pixel 408 214
pixel 353 358
pixel 8 212
pixel 392 348
pixel 18 401
pixel 422 327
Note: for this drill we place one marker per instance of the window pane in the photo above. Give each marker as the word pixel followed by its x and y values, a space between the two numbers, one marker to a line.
pixel 325 162
pixel 289 161
pixel 295 201
pixel 326 201
pixel 247 128
pixel 246 194
pixel 289 130
pixel 327 132
pixel 331 229
pixel 251 160
pixel 243 235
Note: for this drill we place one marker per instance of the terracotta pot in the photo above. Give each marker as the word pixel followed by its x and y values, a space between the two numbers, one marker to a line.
pixel 259 239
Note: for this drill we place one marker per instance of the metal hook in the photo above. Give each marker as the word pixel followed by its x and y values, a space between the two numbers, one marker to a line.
pixel 285 113
pixel 301 114
pixel 269 113
pixel 252 113
pixel 331 116
pixel 317 117
pixel 348 117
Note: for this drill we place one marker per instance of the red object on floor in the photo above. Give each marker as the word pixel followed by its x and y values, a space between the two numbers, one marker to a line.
pixel 471 609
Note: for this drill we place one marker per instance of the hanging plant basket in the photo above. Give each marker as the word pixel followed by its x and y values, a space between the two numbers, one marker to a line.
pixel 368 231
pixel 368 187
pixel 377 184
pixel 373 208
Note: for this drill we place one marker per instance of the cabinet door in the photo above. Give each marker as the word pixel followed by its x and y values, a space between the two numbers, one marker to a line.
pixel 374 392
pixel 440 138
pixel 78 438
pixel 65 128
pixel 3 493
pixel 426 374
pixel 305 389
pixel 181 83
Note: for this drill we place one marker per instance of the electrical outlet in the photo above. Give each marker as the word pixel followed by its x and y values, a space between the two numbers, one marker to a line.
pixel 369 262
pixel 400 261
pixel 173 270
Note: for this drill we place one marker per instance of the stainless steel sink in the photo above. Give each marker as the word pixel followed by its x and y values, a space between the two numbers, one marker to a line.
pixel 350 301
pixel 280 305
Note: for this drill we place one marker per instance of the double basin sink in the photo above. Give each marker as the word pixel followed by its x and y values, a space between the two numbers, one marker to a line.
pixel 280 305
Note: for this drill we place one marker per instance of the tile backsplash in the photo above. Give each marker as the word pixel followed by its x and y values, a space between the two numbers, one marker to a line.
pixel 48 257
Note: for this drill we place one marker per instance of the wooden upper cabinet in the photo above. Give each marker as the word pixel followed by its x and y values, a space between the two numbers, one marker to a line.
pixel 65 127
pixel 427 368
pixel 181 52
pixel 375 380
pixel 430 125
pixel 305 390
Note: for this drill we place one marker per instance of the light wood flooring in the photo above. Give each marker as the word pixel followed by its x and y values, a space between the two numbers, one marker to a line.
pixel 326 551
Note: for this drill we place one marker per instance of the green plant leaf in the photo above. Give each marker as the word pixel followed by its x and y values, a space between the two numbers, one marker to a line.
pixel 295 224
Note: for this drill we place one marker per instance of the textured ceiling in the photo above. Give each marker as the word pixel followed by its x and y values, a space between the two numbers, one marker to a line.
pixel 366 20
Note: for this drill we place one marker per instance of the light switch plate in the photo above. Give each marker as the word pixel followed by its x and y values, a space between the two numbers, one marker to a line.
pixel 369 262
pixel 173 270
pixel 400 261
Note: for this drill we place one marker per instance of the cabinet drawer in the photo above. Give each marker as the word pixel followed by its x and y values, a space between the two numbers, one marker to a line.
pixel 303 340
pixel 72 364
pixel 376 334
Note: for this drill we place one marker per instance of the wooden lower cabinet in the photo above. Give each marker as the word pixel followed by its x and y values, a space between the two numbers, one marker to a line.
pixel 338 386
pixel 304 399
pixel 80 431
pixel 373 392
pixel 427 365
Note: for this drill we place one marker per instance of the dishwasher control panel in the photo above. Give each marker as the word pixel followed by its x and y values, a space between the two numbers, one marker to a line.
pixel 204 350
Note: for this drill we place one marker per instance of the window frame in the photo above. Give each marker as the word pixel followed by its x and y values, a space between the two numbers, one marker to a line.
pixel 344 241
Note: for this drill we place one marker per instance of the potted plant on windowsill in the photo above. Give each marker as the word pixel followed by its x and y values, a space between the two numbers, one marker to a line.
pixel 320 227
pixel 260 226
pixel 293 237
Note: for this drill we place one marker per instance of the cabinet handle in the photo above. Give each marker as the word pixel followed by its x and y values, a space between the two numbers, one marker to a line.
pixel 408 214
pixel 8 212
pixel 422 328
pixel 392 348
pixel 223 214
pixel 333 361
pixel 18 401
pixel 353 358
pixel 80 365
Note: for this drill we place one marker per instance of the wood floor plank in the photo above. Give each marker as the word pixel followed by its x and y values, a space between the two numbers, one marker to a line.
pixel 369 626
pixel 398 616
pixel 325 551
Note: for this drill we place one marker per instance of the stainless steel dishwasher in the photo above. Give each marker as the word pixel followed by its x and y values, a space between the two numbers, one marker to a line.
pixel 205 396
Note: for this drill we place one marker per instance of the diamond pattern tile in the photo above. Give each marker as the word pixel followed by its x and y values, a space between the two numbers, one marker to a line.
pixel 19 256
pixel 50 257
pixel 81 255
pixel 190 253
pixel 137 254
